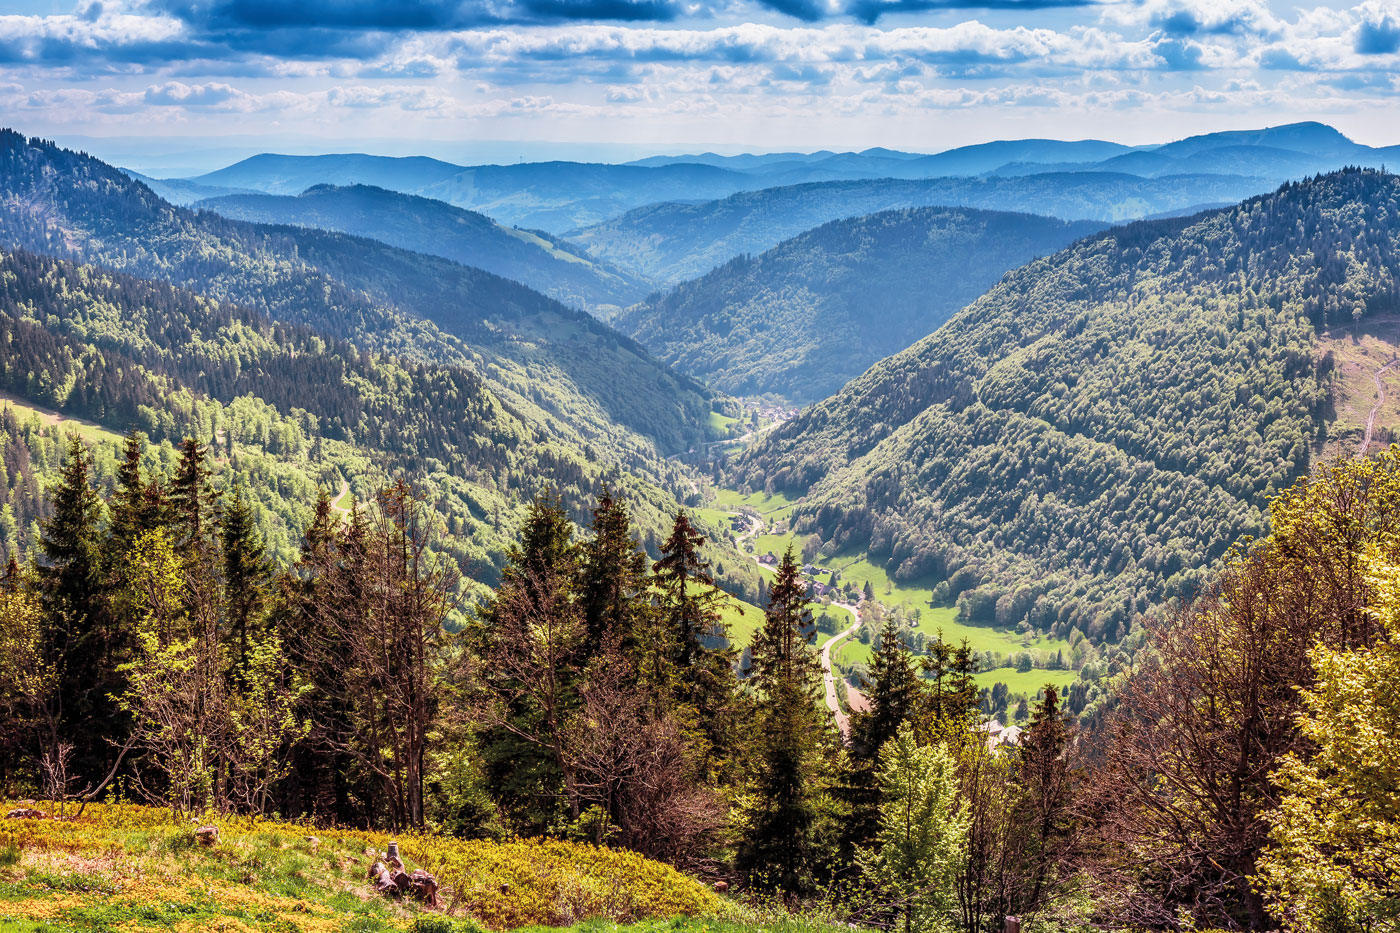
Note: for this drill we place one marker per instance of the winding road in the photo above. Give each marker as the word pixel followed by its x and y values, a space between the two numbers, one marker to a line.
pixel 833 702
pixel 1375 409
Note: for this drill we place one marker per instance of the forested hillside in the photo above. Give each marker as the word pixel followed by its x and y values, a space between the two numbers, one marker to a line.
pixel 809 315
pixel 423 225
pixel 670 243
pixel 585 381
pixel 284 410
pixel 1091 435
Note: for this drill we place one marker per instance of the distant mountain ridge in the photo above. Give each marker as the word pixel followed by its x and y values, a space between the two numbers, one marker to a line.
pixel 563 196
pixel 673 242
pixel 548 265
pixel 815 311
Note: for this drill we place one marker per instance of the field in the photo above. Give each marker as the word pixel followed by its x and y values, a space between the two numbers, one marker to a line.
pixel 744 619
pixel 89 432
pixel 1360 355
pixel 933 619
pixel 130 868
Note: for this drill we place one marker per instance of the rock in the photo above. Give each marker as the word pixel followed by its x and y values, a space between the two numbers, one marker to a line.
pixel 26 813
pixel 721 887
pixel 312 841
pixel 207 835
pixel 376 870
pixel 371 852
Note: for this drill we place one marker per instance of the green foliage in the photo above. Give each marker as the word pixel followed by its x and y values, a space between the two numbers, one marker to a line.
pixel 1091 435
pixel 796 321
pixel 922 836
pixel 1330 865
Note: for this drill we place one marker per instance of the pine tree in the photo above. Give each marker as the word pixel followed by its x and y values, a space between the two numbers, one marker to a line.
pixel 80 641
pixel 527 645
pixel 689 653
pixel 247 577
pixel 777 847
pixel 948 704
pixel 193 501
pixel 892 689
pixel 613 579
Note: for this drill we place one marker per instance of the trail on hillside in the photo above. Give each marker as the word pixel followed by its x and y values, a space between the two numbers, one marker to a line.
pixel 1375 409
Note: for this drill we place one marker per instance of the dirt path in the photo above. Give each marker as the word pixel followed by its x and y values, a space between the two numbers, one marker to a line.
pixel 1375 409
pixel 341 509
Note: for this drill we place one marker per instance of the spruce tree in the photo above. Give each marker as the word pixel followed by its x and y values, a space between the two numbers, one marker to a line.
pixel 892 690
pixel 777 848
pixel 80 640
pixel 193 501
pixel 527 645
pixel 690 654
pixel 247 576
pixel 613 579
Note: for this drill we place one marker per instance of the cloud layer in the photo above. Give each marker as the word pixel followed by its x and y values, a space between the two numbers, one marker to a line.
pixel 699 63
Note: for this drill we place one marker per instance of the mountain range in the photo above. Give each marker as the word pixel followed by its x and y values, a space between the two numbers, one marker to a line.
pixel 543 262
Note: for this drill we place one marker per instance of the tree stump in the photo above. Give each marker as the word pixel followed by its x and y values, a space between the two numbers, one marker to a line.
pixel 26 813
pixel 424 887
pixel 721 887
pixel 207 835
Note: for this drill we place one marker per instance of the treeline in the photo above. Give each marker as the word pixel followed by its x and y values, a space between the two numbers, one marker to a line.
pixel 1239 777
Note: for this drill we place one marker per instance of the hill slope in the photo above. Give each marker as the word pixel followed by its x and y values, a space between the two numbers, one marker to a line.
pixel 814 312
pixel 1092 433
pixel 670 243
pixel 585 381
pixel 439 229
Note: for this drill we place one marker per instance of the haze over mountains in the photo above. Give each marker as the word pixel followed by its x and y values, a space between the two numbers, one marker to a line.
pixel 812 313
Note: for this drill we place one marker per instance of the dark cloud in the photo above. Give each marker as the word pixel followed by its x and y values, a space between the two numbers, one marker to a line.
pixel 403 15
pixel 1378 35
pixel 868 11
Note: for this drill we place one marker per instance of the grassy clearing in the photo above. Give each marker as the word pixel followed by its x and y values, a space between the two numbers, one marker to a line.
pixel 743 618
pixel 1027 682
pixel 719 423
pixel 134 869
pixel 92 433
pixel 1358 353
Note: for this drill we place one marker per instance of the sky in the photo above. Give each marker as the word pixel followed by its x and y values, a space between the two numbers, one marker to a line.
pixel 175 86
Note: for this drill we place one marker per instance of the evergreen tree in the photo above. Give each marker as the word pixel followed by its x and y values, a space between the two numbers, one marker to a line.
pixel 613 579
pixel 193 501
pixel 81 644
pixel 948 704
pixel 527 646
pixel 247 576
pixel 892 688
pixel 776 850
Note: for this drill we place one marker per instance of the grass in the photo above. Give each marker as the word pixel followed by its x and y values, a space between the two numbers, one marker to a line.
pixel 743 618
pixel 131 868
pixel 719 423
pixel 1027 682
pixel 1358 353
pixel 92 433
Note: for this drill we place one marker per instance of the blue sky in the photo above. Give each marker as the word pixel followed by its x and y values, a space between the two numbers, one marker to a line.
pixel 160 80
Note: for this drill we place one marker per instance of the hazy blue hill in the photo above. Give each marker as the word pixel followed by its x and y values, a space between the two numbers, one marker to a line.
pixel 1312 138
pixel 292 174
pixel 183 192
pixel 985 157
pixel 670 243
pixel 1086 438
pixel 424 225
pixel 815 311
pixel 559 196
pixel 586 381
